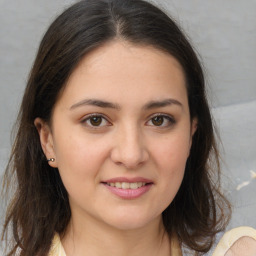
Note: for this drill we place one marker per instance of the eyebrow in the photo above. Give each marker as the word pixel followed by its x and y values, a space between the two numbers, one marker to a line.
pixel 95 102
pixel 106 104
pixel 162 103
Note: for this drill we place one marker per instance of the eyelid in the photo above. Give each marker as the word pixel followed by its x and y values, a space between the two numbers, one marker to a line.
pixel 87 117
pixel 171 120
pixel 169 117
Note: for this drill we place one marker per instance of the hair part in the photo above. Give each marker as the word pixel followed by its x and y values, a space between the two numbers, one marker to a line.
pixel 40 205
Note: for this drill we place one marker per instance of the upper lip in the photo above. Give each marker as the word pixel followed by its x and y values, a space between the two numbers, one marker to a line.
pixel 129 180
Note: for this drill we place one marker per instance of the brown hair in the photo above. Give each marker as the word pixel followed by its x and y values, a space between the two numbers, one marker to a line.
pixel 40 206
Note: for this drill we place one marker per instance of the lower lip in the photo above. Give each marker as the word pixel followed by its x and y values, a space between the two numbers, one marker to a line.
pixel 129 193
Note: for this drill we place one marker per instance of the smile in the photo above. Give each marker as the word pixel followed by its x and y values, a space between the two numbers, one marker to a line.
pixel 127 185
pixel 128 188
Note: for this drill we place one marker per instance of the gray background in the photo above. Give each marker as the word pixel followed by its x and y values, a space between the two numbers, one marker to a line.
pixel 223 32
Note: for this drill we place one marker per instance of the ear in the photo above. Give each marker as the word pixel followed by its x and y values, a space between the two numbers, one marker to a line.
pixel 193 129
pixel 193 126
pixel 46 140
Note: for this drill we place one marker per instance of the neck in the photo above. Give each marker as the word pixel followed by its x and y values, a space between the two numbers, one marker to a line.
pixel 92 238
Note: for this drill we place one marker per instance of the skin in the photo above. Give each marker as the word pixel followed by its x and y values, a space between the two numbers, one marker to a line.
pixel 128 142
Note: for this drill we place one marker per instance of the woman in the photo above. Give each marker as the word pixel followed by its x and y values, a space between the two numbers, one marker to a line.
pixel 115 150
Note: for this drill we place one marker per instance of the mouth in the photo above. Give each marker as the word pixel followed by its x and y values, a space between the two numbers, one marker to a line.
pixel 127 185
pixel 128 188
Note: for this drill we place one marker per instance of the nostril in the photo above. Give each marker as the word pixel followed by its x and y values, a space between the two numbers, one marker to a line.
pixel 129 152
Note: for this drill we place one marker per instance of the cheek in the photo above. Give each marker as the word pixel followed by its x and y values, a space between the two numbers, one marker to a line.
pixel 79 162
pixel 170 159
pixel 78 157
pixel 173 152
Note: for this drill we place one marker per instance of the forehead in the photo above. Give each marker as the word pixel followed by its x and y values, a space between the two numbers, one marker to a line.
pixel 120 70
pixel 122 56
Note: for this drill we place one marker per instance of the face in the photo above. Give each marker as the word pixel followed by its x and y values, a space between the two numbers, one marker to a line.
pixel 121 134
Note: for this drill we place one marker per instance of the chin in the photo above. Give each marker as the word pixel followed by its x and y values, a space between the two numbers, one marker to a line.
pixel 132 221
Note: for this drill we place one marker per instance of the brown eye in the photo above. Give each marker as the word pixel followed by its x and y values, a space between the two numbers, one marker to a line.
pixel 158 120
pixel 95 120
pixel 161 121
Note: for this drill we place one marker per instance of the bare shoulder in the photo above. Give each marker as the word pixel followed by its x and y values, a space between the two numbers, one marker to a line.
pixel 239 241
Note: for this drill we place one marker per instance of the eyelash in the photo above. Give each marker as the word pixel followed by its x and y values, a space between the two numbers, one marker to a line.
pixel 166 118
pixel 89 117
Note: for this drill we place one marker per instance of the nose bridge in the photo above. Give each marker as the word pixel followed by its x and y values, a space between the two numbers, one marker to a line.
pixel 130 149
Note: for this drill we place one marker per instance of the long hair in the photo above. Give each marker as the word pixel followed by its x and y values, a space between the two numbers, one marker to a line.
pixel 40 205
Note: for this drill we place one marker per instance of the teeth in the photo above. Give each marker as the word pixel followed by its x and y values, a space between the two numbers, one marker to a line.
pixel 118 184
pixel 134 185
pixel 127 185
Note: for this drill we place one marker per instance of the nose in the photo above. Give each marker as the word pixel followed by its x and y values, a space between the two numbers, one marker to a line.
pixel 129 148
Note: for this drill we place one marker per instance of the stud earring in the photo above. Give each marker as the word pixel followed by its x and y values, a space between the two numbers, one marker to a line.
pixel 51 160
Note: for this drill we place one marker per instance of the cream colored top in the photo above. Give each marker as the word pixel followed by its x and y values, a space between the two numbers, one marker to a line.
pixel 57 248
pixel 236 242
pixel 239 241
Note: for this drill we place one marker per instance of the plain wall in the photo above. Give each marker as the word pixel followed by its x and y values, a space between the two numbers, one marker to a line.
pixel 224 34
